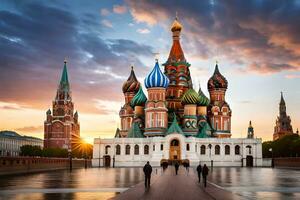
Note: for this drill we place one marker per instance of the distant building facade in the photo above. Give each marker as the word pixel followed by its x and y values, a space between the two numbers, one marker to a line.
pixel 61 126
pixel 11 142
pixel 283 125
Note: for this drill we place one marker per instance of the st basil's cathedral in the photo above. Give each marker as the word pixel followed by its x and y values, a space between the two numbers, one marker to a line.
pixel 174 122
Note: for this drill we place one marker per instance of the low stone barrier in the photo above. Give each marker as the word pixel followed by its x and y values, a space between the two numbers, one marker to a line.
pixel 15 165
pixel 287 162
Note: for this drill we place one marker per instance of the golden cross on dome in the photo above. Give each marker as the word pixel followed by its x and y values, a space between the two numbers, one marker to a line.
pixel 65 61
pixel 176 16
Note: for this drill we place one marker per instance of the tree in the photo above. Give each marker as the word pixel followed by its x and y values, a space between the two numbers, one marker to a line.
pixel 288 146
pixel 29 150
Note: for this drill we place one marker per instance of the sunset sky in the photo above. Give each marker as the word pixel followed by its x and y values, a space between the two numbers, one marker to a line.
pixel 257 45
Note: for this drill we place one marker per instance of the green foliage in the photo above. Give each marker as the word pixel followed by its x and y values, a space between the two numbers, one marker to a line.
pixel 55 152
pixel 29 150
pixel 288 146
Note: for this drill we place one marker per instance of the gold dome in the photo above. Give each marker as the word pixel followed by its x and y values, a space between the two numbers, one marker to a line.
pixel 176 26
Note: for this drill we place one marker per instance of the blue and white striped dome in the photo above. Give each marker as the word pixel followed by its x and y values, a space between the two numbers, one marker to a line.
pixel 156 78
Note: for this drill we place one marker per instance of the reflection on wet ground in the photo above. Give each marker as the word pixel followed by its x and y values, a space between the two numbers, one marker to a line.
pixel 104 183
pixel 93 183
pixel 259 183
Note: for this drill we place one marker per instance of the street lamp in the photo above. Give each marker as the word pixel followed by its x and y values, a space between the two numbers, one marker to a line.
pixel 272 162
pixel 70 157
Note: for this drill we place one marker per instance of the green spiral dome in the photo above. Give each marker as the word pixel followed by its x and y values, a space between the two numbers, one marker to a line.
pixel 190 97
pixel 204 101
pixel 139 98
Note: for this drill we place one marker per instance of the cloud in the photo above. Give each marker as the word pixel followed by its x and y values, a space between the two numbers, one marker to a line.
pixel 31 129
pixel 292 76
pixel 143 30
pixel 119 9
pixel 11 106
pixel 262 37
pixel 34 40
pixel 104 12
pixel 107 23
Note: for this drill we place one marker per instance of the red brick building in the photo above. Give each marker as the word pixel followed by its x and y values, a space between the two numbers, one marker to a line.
pixel 61 126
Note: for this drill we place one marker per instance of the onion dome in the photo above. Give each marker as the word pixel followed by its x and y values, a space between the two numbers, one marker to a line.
pixel 132 84
pixel 204 101
pixel 139 98
pixel 156 78
pixel 176 26
pixel 48 112
pixel 217 81
pixel 190 97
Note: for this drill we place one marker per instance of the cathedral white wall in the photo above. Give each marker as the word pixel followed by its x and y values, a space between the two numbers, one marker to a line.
pixel 193 155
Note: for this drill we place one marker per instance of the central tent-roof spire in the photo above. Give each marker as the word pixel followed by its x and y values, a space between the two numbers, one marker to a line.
pixel 176 53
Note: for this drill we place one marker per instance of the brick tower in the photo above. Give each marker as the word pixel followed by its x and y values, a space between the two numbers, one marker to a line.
pixel 61 128
pixel 283 122
pixel 177 70
pixel 218 111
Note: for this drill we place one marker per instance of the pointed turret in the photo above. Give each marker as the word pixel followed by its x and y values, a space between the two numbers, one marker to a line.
pixel 282 102
pixel 217 81
pixel 250 130
pixel 132 84
pixel 135 131
pixel 176 53
pixel 64 81
pixel 174 128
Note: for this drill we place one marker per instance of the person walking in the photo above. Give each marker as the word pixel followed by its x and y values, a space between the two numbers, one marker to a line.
pixel 176 167
pixel 199 170
pixel 147 171
pixel 204 173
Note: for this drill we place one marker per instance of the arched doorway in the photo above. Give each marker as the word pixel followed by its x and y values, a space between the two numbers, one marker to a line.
pixel 106 160
pixel 249 161
pixel 175 153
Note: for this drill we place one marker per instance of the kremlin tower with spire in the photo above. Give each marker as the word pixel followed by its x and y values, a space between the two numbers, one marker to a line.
pixel 61 127
pixel 283 125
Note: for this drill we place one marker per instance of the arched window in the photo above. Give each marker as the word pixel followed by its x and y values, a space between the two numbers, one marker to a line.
pixel 161 147
pixel 237 150
pixel 187 147
pixel 106 149
pixel 227 150
pixel 249 148
pixel 127 150
pixel 118 150
pixel 146 150
pixel 136 149
pixel 175 142
pixel 196 147
pixel 154 147
pixel 202 149
pixel 217 150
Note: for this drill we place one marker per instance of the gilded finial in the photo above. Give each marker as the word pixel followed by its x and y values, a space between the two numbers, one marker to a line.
pixel 176 15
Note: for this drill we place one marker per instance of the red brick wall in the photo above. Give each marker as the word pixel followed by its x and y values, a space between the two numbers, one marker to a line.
pixel 287 162
pixel 15 165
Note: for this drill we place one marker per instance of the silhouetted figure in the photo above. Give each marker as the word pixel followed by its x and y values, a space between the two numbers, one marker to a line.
pixel 204 173
pixel 199 170
pixel 147 171
pixel 165 165
pixel 176 167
